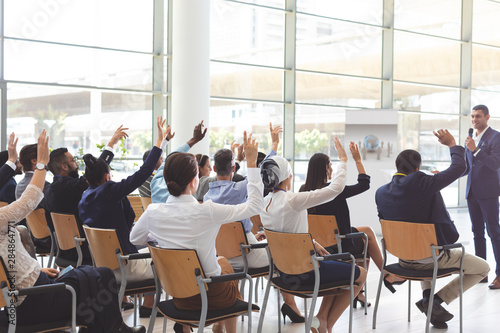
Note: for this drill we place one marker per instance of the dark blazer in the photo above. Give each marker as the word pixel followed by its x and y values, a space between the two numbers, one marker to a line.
pixel 483 169
pixel 417 198
pixel 106 206
pixel 63 196
pixel 6 174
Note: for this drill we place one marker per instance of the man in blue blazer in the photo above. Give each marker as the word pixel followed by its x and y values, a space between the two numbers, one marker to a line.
pixel 413 196
pixel 483 185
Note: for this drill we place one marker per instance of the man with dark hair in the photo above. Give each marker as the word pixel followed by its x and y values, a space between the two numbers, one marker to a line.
pixel 8 191
pixel 145 188
pixel 27 158
pixel 483 185
pixel 227 192
pixel 67 188
pixel 204 183
pixel 413 196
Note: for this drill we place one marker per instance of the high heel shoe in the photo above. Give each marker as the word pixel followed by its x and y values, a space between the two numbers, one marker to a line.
pixel 356 300
pixel 390 285
pixel 286 310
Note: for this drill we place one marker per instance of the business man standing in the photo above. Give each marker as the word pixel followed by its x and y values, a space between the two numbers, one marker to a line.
pixel 483 185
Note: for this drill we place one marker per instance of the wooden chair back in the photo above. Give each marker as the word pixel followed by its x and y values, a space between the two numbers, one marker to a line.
pixel 229 238
pixel 145 203
pixel 257 224
pixel 408 241
pixel 66 229
pixel 103 244
pixel 291 253
pixel 3 204
pixel 175 269
pixel 3 277
pixel 136 203
pixel 322 229
pixel 38 223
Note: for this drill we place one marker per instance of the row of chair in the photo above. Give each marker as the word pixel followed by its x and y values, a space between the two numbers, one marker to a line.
pixel 280 247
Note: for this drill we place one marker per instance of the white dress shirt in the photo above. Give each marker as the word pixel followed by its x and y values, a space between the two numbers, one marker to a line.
pixel 287 211
pixel 183 223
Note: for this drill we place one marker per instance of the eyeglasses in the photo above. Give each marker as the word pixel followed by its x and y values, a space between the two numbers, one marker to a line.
pixel 74 159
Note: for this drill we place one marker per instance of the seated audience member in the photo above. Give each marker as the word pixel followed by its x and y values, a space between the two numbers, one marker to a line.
pixel 27 158
pixel 286 211
pixel 89 283
pixel 205 181
pixel 203 165
pixel 227 192
pixel 145 188
pixel 66 189
pixel 105 205
pixel 195 226
pixel 413 196
pixel 8 190
pixel 319 172
pixel 159 190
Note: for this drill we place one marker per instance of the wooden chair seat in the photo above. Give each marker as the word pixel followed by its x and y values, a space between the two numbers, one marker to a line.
pixel 294 254
pixel 180 274
pixel 107 252
pixel 37 225
pixel 136 203
pixel 414 241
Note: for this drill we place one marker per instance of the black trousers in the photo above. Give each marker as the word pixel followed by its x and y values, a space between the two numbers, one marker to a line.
pixel 97 301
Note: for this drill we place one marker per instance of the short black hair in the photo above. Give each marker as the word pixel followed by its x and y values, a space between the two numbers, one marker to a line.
pixel 223 162
pixel 483 108
pixel 408 161
pixel 57 159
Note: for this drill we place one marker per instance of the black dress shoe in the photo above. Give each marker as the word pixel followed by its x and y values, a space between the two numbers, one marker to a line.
pixel 484 280
pixel 439 314
pixel 178 328
pixel 439 324
pixel 145 312
pixel 127 305
pixel 123 328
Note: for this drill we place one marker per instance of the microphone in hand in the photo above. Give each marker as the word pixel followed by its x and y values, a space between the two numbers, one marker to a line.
pixel 471 131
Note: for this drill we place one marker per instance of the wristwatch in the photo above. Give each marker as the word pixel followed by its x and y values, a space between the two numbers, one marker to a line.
pixel 41 166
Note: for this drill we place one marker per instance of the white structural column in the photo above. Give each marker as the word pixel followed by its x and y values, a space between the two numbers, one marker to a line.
pixel 190 69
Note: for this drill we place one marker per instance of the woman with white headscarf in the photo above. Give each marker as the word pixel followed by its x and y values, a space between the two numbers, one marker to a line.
pixel 286 211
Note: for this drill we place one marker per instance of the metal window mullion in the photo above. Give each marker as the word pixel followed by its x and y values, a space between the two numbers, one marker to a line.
pixel 3 84
pixel 169 61
pixel 158 49
pixel 465 84
pixel 387 55
pixel 289 81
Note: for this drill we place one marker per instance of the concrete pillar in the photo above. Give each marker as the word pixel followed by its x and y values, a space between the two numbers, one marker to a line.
pixel 190 70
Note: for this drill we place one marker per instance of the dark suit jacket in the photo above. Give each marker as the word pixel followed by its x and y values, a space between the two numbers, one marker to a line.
pixel 63 197
pixel 6 174
pixel 417 198
pixel 483 169
pixel 107 206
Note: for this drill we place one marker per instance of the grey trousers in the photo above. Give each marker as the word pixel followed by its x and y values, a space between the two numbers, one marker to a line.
pixel 475 269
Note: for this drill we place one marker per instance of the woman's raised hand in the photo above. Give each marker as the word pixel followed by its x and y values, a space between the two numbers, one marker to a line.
pixel 250 147
pixel 43 148
pixel 340 150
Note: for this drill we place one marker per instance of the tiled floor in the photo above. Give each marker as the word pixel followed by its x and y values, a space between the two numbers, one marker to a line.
pixel 480 304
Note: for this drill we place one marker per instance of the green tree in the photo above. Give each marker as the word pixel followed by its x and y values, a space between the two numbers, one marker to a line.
pixel 219 139
pixel 310 142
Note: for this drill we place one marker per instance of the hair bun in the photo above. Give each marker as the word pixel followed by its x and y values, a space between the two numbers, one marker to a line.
pixel 89 160
pixel 174 188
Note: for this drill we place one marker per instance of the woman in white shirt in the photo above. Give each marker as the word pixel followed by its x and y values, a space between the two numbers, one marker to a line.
pixel 183 223
pixel 287 212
